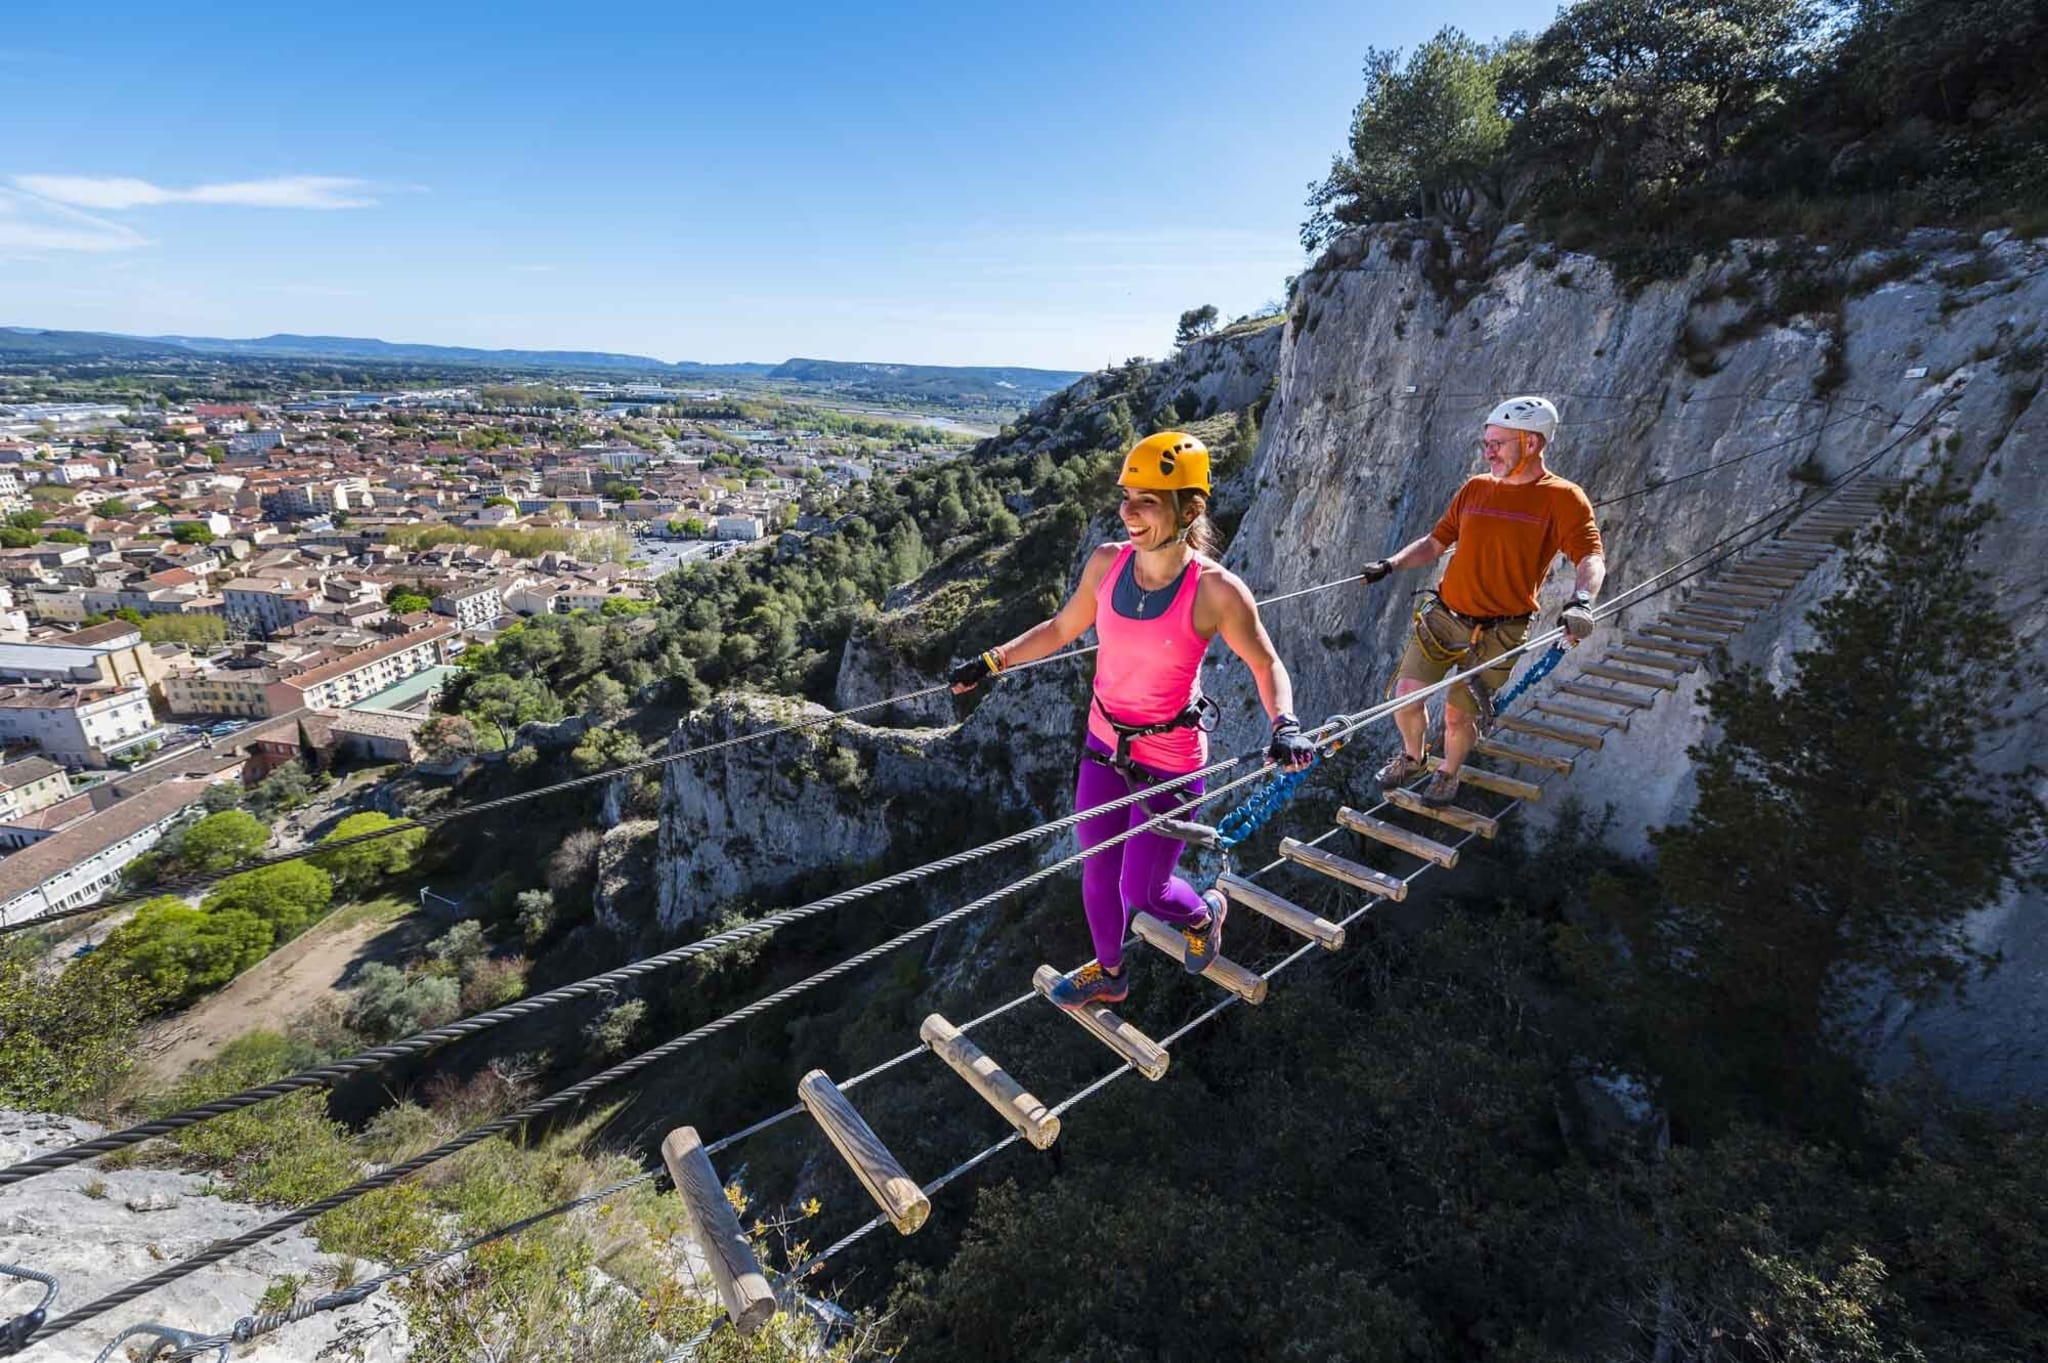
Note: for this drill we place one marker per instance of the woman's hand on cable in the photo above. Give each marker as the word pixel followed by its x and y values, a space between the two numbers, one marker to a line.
pixel 1377 570
pixel 976 670
pixel 1290 747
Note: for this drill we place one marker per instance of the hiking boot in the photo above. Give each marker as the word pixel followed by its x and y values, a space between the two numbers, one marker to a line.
pixel 1091 984
pixel 1440 789
pixel 1399 770
pixel 1205 943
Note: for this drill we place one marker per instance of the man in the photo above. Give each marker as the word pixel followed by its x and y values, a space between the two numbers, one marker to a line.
pixel 1508 524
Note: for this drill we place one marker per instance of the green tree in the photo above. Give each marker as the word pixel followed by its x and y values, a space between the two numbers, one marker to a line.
pixel 191 532
pixel 113 506
pixel 1426 140
pixel 290 897
pixel 13 538
pixel 178 953
pixel 388 1003
pixel 505 703
pixel 26 520
pixel 408 603
pixel 130 614
pixel 222 841
pixel 357 868
pixel 1846 823
pixel 287 788
pixel 602 698
pixel 67 537
pixel 1195 322
pixel 1632 99
pixel 66 1035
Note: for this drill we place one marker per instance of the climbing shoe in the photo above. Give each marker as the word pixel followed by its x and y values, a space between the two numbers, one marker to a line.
pixel 1090 984
pixel 1440 789
pixel 1205 943
pixel 1399 770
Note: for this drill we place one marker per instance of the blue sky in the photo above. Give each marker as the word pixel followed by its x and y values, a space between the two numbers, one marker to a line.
pixel 1044 184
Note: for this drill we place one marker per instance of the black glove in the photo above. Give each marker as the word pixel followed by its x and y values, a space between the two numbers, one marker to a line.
pixel 1290 748
pixel 1376 570
pixel 1576 619
pixel 977 670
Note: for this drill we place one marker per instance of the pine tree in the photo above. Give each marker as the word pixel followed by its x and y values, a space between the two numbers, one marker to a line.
pixel 1847 823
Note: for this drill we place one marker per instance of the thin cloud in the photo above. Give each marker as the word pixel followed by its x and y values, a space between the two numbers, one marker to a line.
pixel 114 193
pixel 30 223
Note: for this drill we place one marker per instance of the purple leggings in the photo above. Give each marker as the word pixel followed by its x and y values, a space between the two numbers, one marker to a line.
pixel 1135 874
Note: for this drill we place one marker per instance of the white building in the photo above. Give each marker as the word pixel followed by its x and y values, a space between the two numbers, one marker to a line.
pixel 473 605
pixel 738 528
pixel 82 861
pixel 80 726
pixel 266 605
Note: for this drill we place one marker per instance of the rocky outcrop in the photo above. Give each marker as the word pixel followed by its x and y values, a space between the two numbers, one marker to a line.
pixel 1395 349
pixel 97 1231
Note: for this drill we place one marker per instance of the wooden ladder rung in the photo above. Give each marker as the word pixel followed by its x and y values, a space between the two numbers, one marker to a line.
pixel 1691 636
pixel 1629 676
pixel 1507 752
pixel 1132 1046
pixel 1514 724
pixel 1223 972
pixel 1454 815
pixel 1402 839
pixel 893 1190
pixel 1344 869
pixel 1718 625
pixel 1710 607
pixel 742 1287
pixel 1758 577
pixel 1723 587
pixel 1661 662
pixel 1286 913
pixel 1606 694
pixel 1550 705
pixel 1727 606
pixel 1514 787
pixel 1802 564
pixel 1031 1118
pixel 1670 645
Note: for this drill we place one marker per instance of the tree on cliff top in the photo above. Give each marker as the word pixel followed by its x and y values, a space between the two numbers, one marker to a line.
pixel 1426 141
pixel 1846 826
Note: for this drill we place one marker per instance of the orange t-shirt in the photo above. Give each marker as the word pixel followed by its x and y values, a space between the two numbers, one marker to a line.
pixel 1506 535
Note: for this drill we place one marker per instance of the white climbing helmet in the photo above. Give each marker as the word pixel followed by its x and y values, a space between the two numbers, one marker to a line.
pixel 1527 414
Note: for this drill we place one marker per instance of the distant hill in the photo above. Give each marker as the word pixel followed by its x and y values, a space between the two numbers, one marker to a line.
pixel 286 345
pixel 937 381
pixel 1006 386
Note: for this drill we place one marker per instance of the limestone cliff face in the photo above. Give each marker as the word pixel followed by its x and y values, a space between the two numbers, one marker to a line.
pixel 1385 378
pixel 98 1231
pixel 1392 352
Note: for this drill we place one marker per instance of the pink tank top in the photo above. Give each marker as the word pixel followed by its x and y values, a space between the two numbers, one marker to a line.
pixel 1147 671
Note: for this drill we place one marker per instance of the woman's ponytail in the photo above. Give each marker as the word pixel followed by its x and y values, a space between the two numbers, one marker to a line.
pixel 1201 533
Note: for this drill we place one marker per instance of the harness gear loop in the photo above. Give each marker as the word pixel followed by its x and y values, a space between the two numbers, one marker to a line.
pixel 1462 658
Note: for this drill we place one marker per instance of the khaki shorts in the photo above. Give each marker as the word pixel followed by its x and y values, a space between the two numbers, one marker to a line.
pixel 1450 637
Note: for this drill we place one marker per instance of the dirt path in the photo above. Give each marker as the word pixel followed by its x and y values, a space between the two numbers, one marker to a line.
pixel 285 986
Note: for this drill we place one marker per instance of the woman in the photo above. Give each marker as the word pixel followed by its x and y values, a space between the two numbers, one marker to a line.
pixel 1155 603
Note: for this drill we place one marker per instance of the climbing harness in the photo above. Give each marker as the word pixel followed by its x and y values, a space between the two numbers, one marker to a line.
pixel 1201 713
pixel 1437 652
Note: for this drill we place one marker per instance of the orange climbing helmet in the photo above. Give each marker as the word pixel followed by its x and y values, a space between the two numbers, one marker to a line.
pixel 1171 461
